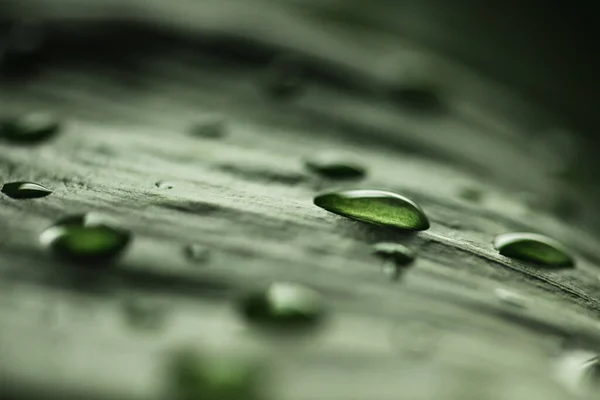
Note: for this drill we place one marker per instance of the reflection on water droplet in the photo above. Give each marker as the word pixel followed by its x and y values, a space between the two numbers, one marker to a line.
pixel 226 377
pixel 284 77
pixel 375 206
pixel 143 315
pixel 335 167
pixel 511 298
pixel 29 128
pixel 85 239
pixel 25 190
pixel 283 306
pixel 210 128
pixel 197 253
pixel 538 249
pixel 579 371
pixel 164 185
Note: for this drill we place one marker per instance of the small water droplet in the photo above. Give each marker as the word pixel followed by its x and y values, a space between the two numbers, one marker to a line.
pixel 144 315
pixel 534 248
pixel 164 185
pixel 511 298
pixel 197 253
pixel 86 239
pixel 283 306
pixel 335 167
pixel 284 78
pixel 210 128
pixel 29 128
pixel 25 190
pixel 399 254
pixel 375 206
pixel 194 376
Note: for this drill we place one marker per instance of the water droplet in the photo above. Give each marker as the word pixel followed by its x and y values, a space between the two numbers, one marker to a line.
pixel 143 315
pixel 29 128
pixel 164 185
pixel 511 298
pixel 87 238
pixel 375 206
pixel 535 248
pixel 210 128
pixel 193 376
pixel 283 306
pixel 335 167
pixel 197 253
pixel 399 254
pixel 284 77
pixel 25 190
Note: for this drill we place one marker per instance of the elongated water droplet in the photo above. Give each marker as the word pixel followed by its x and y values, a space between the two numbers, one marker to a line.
pixel 194 376
pixel 29 128
pixel 85 239
pixel 25 190
pixel 284 77
pixel 375 206
pixel 283 306
pixel 534 248
pixel 197 253
pixel 511 298
pixel 164 185
pixel 335 167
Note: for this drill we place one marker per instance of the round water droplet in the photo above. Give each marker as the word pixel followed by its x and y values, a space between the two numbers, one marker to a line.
pixel 538 249
pixel 85 239
pixel 193 376
pixel 210 128
pixel 197 253
pixel 284 77
pixel 25 190
pixel 511 298
pixel 29 128
pixel 164 185
pixel 335 167
pixel 375 206
pixel 283 306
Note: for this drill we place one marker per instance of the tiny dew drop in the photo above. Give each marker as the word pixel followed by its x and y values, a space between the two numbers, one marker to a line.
pixel 25 190
pixel 29 128
pixel 195 376
pixel 284 77
pixel 283 306
pixel 335 167
pixel 197 253
pixel 85 239
pixel 538 249
pixel 164 185
pixel 375 206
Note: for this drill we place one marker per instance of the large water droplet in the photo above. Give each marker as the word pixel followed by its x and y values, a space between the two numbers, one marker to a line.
pixel 375 206
pixel 164 185
pixel 284 77
pixel 335 167
pixel 197 253
pixel 29 128
pixel 535 248
pixel 283 306
pixel 25 190
pixel 85 239
pixel 214 378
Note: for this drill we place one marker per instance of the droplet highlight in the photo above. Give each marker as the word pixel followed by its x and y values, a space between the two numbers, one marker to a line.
pixel 86 239
pixel 25 190
pixel 283 306
pixel 375 206
pixel 335 167
pixel 535 248
pixel 29 128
